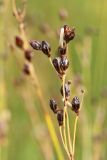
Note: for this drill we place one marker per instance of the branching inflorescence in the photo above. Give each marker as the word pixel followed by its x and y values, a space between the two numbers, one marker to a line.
pixel 61 64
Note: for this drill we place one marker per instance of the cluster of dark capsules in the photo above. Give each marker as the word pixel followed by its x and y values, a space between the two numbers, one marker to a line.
pixel 61 64
pixel 28 54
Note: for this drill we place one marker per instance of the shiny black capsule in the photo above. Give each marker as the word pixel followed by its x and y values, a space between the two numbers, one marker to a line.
pixel 62 50
pixel 75 104
pixel 69 33
pixel 53 105
pixel 67 90
pixel 60 117
pixel 56 63
pixel 46 48
pixel 35 45
pixel 64 63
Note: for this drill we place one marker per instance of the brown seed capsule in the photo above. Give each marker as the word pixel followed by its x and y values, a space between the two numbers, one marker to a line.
pixel 69 33
pixel 53 105
pixel 35 45
pixel 67 90
pixel 64 64
pixel 26 69
pixel 28 55
pixel 56 63
pixel 19 42
pixel 75 104
pixel 46 48
pixel 60 117
pixel 62 51
pixel 61 64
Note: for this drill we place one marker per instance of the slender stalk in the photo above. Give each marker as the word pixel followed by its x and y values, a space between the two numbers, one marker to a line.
pixel 66 118
pixel 75 125
pixel 63 85
pixel 69 135
pixel 64 126
pixel 61 37
pixel 74 135
pixel 66 149
pixel 54 137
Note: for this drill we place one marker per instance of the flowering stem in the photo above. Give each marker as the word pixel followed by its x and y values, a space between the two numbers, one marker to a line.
pixel 64 127
pixel 69 136
pixel 74 135
pixel 75 124
pixel 66 149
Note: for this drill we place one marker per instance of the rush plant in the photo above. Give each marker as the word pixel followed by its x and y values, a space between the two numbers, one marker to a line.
pixel 61 64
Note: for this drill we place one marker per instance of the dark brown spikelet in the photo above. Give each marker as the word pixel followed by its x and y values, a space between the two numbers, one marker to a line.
pixel 60 117
pixel 53 105
pixel 62 51
pixel 26 69
pixel 35 44
pixel 28 54
pixel 61 64
pixel 19 42
pixel 69 33
pixel 46 48
pixel 75 104
pixel 56 63
pixel 64 63
pixel 67 90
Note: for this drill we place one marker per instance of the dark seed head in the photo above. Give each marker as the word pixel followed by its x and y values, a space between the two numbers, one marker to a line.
pixel 19 42
pixel 67 90
pixel 64 63
pixel 60 117
pixel 56 63
pixel 62 51
pixel 53 105
pixel 46 48
pixel 35 45
pixel 61 64
pixel 28 55
pixel 69 33
pixel 26 69
pixel 75 104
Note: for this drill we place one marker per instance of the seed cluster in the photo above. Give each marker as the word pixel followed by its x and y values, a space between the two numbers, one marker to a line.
pixel 61 64
pixel 69 33
pixel 43 46
pixel 27 53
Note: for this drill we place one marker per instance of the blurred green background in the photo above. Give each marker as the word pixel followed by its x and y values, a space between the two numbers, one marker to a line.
pixel 23 137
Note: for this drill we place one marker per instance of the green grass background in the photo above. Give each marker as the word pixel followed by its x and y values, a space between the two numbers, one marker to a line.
pixel 88 58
